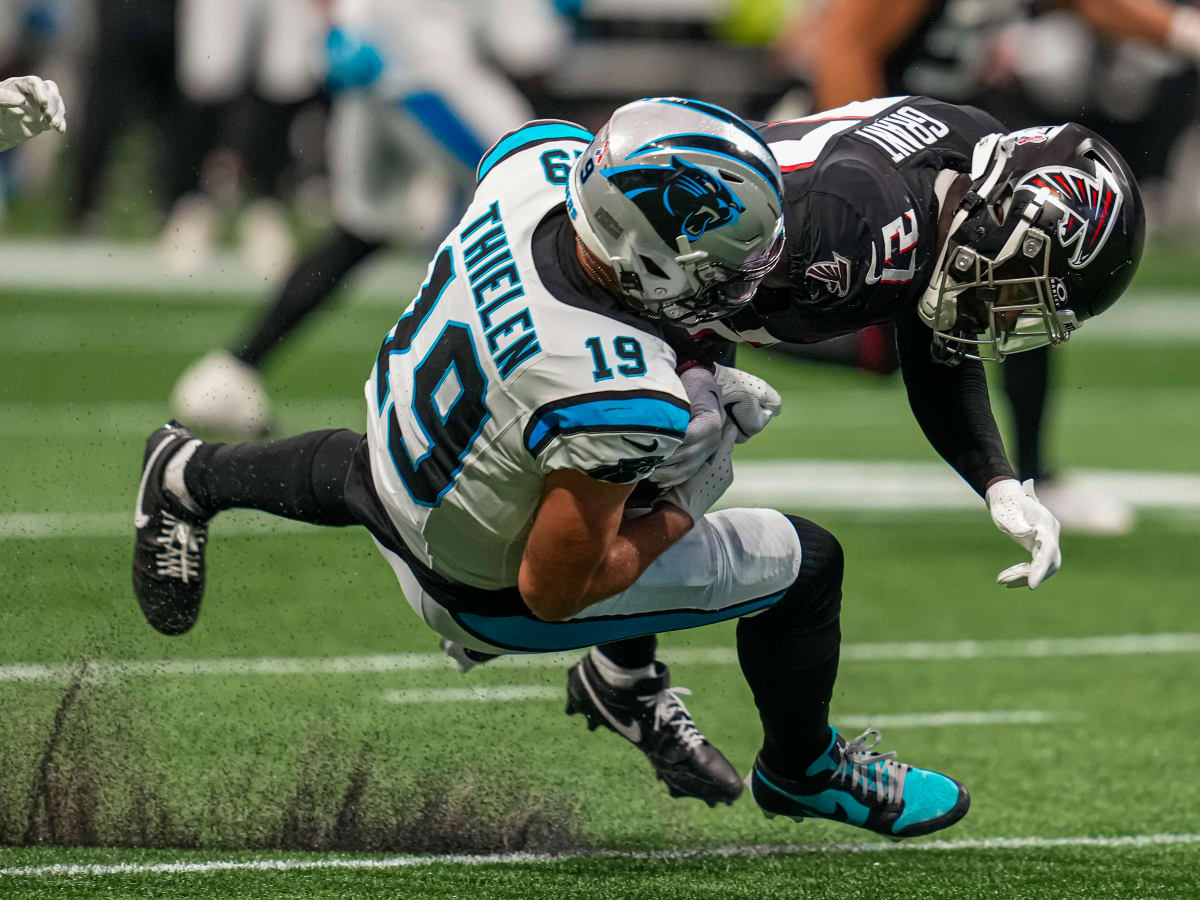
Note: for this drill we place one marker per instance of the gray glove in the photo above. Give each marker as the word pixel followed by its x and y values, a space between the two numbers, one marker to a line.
pixel 749 401
pixel 703 435
pixel 697 495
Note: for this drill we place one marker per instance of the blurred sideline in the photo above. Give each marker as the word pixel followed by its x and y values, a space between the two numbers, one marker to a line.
pixel 138 271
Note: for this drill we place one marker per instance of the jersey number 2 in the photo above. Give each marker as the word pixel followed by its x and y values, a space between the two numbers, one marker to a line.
pixel 449 413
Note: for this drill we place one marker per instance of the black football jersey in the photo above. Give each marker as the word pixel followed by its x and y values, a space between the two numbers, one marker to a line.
pixel 860 213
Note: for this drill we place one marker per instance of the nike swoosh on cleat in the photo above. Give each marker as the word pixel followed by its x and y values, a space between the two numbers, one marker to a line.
pixel 645 448
pixel 631 732
pixel 140 519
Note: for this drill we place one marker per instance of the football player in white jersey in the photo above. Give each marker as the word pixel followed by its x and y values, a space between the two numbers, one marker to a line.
pixel 511 412
pixel 28 106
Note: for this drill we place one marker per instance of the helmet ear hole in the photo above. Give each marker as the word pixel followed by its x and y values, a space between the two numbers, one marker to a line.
pixel 1000 206
pixel 652 267
pixel 731 176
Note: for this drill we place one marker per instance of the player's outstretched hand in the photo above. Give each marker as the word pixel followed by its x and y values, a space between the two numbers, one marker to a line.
pixel 749 401
pixel 1017 512
pixel 703 432
pixel 29 106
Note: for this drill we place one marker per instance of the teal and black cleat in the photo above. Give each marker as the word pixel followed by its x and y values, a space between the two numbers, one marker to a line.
pixel 851 783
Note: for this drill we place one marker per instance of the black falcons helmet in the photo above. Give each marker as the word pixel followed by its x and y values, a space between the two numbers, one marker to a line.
pixel 1049 235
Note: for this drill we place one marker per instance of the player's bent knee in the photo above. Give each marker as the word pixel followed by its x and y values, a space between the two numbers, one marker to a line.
pixel 822 560
pixel 814 599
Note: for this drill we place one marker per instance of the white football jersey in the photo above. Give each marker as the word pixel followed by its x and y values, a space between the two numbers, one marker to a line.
pixel 508 365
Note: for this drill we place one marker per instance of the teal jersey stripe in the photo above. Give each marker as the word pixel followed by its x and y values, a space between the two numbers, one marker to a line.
pixel 533 635
pixel 607 415
pixel 532 134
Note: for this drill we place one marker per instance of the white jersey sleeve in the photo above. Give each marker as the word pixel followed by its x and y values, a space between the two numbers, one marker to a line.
pixel 616 427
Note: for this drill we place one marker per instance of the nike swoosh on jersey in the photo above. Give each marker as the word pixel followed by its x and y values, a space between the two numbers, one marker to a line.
pixel 140 519
pixel 631 732
pixel 645 448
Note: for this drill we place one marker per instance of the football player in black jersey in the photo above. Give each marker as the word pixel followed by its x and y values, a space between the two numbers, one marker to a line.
pixel 854 49
pixel 925 215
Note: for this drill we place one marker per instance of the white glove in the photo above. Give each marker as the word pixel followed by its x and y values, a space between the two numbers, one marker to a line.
pixel 749 401
pixel 28 106
pixel 1017 512
pixel 703 435
pixel 697 495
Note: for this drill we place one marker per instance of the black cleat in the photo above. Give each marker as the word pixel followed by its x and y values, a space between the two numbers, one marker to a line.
pixel 651 716
pixel 168 551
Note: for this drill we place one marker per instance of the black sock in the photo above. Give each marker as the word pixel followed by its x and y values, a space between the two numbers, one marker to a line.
pixel 1026 385
pixel 302 477
pixel 789 655
pixel 631 653
pixel 312 282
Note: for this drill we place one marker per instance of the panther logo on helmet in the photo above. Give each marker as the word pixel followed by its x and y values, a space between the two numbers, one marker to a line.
pixel 1090 206
pixel 679 199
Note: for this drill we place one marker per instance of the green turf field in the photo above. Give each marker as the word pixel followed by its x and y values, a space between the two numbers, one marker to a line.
pixel 308 712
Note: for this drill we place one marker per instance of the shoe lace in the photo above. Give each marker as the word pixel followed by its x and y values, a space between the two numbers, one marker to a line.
pixel 865 770
pixel 180 543
pixel 670 711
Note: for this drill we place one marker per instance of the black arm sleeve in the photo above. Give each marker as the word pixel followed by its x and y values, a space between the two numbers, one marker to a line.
pixel 952 406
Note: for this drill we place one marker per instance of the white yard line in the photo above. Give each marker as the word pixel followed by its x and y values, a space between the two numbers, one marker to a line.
pixel 843 408
pixel 950 718
pixel 122 419
pixel 748 852
pixel 135 273
pixel 910 486
pixel 897 651
pixel 516 693
pixel 891 487
pixel 40 526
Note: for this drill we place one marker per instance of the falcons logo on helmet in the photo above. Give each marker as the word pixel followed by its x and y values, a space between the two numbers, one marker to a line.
pixel 834 273
pixel 1090 205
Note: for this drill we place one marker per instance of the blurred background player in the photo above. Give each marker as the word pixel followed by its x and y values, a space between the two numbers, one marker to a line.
pixel 416 103
pixel 127 77
pixel 249 67
pixel 220 84
pixel 1025 62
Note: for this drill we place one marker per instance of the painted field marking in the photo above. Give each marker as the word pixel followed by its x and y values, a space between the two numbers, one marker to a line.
pixel 892 651
pixel 747 852
pixel 890 487
pixel 951 718
pixel 119 419
pixel 847 408
pixel 135 273
pixel 511 693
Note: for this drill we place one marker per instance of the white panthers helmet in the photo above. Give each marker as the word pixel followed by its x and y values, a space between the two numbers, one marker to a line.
pixel 684 201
